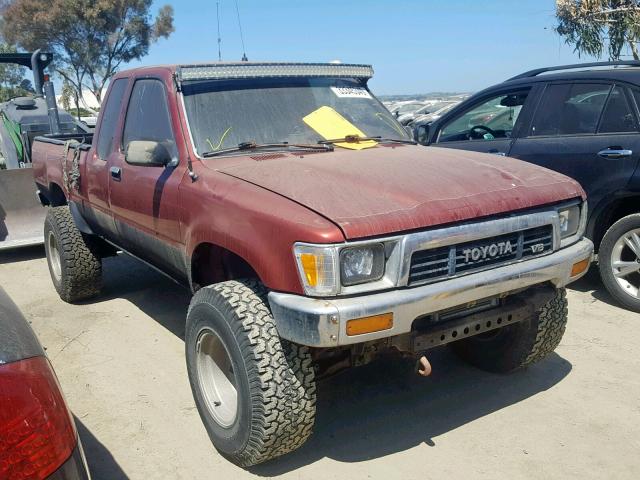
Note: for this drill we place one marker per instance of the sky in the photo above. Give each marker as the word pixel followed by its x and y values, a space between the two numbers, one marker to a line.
pixel 414 46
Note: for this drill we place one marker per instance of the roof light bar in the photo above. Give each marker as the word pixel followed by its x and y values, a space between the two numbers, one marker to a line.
pixel 222 71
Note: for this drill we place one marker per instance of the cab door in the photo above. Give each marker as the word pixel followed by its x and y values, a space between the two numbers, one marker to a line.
pixel 585 130
pixel 96 208
pixel 144 199
pixel 489 124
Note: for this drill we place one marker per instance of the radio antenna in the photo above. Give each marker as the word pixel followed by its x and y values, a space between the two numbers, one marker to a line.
pixel 244 52
pixel 219 39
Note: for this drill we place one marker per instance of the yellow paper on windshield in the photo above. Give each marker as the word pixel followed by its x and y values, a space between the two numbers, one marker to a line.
pixel 330 125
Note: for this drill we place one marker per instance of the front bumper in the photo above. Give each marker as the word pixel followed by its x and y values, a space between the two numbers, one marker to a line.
pixel 322 322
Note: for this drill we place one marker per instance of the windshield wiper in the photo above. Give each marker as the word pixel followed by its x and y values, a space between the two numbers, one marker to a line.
pixel 260 146
pixel 358 139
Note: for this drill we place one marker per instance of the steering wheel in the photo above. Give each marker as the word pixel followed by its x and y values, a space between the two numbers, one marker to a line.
pixel 473 132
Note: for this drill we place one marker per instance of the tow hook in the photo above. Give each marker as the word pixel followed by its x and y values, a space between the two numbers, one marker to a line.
pixel 423 367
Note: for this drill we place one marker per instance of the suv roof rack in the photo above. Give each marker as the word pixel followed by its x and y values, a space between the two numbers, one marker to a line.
pixel 538 71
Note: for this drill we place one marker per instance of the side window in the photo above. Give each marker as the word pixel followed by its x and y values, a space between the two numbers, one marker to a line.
pixel 148 116
pixel 570 109
pixel 636 96
pixel 617 116
pixel 493 118
pixel 110 118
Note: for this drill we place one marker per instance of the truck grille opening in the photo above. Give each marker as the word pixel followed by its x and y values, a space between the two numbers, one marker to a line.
pixel 442 262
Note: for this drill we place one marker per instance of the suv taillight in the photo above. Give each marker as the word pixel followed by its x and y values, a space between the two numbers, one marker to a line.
pixel 37 433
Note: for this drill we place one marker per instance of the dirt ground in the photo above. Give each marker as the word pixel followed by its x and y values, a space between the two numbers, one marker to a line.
pixel 120 360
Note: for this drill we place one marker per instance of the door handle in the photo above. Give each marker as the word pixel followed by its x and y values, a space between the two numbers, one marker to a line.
pixel 116 173
pixel 615 153
pixel 497 152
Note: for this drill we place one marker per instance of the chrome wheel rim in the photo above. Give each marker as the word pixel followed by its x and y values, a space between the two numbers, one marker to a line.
pixel 54 256
pixel 625 262
pixel 216 377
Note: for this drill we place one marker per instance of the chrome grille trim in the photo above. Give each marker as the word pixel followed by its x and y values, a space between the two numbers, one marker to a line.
pixel 452 260
pixel 432 240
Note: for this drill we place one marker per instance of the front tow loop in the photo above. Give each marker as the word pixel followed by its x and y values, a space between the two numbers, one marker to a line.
pixel 423 367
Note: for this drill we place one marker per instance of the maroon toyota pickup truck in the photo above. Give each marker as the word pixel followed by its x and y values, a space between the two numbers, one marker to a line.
pixel 313 233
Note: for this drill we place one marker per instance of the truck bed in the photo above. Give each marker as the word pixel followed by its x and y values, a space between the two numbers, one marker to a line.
pixel 51 152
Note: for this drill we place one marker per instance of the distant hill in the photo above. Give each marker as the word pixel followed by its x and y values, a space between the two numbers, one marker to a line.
pixel 421 96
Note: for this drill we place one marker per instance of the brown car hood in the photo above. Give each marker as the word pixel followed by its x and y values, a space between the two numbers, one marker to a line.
pixel 392 189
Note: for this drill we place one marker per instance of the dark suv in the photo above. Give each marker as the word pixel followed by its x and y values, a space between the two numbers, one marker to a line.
pixel 581 120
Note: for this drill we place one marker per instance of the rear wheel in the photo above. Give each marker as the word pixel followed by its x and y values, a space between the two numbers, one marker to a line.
pixel 619 261
pixel 74 265
pixel 255 392
pixel 520 344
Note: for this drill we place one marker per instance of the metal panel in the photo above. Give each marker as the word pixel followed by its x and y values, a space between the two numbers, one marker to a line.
pixel 517 308
pixel 21 213
pixel 384 191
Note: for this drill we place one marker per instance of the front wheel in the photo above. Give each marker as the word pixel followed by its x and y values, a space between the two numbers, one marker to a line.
pixel 255 392
pixel 619 261
pixel 520 344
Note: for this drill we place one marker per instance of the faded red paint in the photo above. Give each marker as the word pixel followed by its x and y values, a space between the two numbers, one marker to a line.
pixel 259 207
pixel 382 190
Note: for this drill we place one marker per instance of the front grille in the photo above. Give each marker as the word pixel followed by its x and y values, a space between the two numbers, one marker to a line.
pixel 443 262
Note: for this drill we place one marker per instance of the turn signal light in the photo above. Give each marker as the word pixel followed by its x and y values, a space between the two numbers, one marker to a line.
pixel 375 323
pixel 310 267
pixel 580 267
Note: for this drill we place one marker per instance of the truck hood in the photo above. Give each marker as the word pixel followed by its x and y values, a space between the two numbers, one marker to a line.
pixel 388 189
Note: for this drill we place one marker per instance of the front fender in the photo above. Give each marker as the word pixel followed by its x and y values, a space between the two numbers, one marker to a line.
pixel 256 224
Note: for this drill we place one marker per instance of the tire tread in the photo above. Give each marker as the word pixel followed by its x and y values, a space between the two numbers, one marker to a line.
pixel 81 265
pixel 281 373
pixel 552 323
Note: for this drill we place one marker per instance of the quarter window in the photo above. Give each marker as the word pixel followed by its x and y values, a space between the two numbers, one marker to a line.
pixel 148 116
pixel 110 116
pixel 570 109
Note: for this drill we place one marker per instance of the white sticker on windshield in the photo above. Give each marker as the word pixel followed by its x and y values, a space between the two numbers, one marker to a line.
pixel 351 92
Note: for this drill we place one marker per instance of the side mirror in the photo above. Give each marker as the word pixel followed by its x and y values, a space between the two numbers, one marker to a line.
pixel 147 154
pixel 421 134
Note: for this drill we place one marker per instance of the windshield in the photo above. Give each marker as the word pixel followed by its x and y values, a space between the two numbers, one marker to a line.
pixel 223 114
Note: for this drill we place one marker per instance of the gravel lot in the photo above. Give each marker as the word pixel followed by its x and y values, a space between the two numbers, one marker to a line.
pixel 120 360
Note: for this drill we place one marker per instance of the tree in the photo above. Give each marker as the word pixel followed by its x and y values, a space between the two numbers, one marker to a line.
pixel 12 81
pixel 91 39
pixel 596 26
pixel 68 93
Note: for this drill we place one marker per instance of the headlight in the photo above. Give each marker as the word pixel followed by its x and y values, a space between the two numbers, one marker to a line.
pixel 361 264
pixel 569 221
pixel 327 270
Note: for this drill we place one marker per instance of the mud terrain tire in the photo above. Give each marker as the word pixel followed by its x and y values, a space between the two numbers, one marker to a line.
pixel 274 379
pixel 74 264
